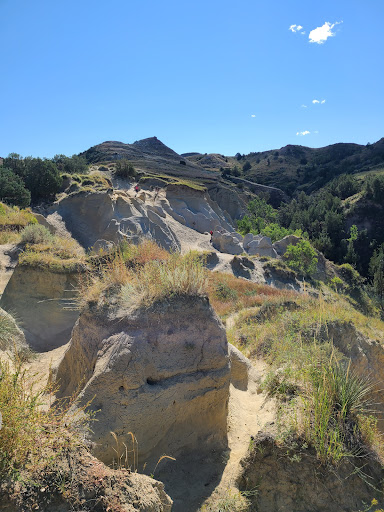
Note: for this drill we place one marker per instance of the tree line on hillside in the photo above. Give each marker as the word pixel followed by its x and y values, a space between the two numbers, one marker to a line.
pixel 29 180
pixel 322 219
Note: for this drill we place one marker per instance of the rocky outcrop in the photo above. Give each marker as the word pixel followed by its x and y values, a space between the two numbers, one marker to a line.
pixel 228 200
pixel 226 242
pixel 86 484
pixel 291 479
pixel 119 215
pixel 281 245
pixel 261 246
pixel 195 209
pixel 241 368
pixel 37 298
pixel 161 373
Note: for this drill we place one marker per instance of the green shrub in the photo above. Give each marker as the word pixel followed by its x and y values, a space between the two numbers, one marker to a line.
pixel 36 234
pixel 224 292
pixel 124 169
pixel 336 283
pixel 301 257
pixel 351 275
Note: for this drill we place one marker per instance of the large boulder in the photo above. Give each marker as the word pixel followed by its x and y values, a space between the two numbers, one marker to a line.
pixel 248 238
pixel 226 242
pixel 161 373
pixel 281 245
pixel 261 246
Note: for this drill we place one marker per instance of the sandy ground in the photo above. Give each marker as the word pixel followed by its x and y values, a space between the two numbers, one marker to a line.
pixel 193 482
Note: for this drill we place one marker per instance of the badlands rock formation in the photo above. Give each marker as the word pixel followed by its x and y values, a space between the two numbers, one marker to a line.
pixel 38 299
pixel 161 373
pixel 118 215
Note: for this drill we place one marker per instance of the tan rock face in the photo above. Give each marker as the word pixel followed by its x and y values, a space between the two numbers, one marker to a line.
pixel 161 373
pixel 36 298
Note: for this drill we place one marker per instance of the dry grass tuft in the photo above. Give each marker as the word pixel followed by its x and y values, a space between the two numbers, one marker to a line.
pixel 159 280
pixel 229 294
pixel 320 396
pixel 30 432
pixel 135 276
pixel 12 220
pixel 47 251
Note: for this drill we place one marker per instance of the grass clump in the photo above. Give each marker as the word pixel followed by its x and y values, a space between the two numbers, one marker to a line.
pixel 229 294
pixel 47 251
pixel 8 331
pixel 31 435
pixel 320 397
pixel 163 280
pixel 335 399
pixel 139 275
pixel 12 220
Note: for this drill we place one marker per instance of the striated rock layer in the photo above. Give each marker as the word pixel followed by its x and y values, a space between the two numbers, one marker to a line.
pixel 162 374
pixel 37 299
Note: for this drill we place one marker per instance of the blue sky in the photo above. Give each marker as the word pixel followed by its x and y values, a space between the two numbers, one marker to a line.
pixel 75 73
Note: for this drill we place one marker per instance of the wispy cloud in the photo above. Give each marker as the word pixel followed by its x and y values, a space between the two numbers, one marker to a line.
pixel 315 101
pixel 304 106
pixel 322 102
pixel 253 115
pixel 296 28
pixel 320 34
pixel 318 102
pixel 306 132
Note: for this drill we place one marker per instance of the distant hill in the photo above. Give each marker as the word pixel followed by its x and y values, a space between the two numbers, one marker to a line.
pixel 149 155
pixel 294 168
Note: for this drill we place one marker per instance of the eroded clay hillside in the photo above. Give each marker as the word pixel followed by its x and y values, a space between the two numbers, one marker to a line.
pixel 153 358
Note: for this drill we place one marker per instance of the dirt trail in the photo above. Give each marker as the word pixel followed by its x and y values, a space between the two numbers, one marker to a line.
pixel 8 261
pixel 249 412
pixel 194 482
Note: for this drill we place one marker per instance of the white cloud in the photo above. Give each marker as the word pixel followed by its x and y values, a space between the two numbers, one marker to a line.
pixel 322 102
pixel 315 101
pixel 253 115
pixel 304 106
pixel 306 132
pixel 296 28
pixel 320 34
pixel 318 102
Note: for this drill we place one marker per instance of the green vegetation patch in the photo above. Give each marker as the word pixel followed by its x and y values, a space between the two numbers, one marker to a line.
pixel 12 220
pixel 321 399
pixel 46 251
